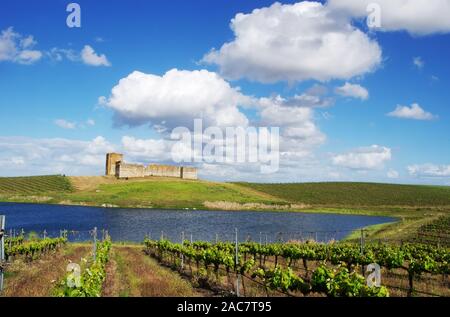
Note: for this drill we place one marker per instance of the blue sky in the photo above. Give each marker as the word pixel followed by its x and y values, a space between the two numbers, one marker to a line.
pixel 51 117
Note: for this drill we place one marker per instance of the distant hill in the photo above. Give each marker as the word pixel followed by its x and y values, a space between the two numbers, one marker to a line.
pixel 34 184
pixel 357 194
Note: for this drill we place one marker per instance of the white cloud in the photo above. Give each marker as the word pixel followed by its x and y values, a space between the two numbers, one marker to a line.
pixel 418 62
pixel 29 156
pixel 176 98
pixel 147 150
pixel 58 54
pixel 89 57
pixel 314 97
pixel 352 90
pixel 294 43
pixel 364 158
pixel 414 112
pixel 65 124
pixel 392 174
pixel 296 123
pixel 16 48
pixel 418 17
pixel 429 170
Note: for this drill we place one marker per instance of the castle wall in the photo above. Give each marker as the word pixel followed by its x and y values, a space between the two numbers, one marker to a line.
pixel 163 170
pixel 111 160
pixel 124 170
pixel 189 173
pixel 115 166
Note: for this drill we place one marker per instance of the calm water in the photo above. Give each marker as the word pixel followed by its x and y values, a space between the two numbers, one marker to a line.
pixel 134 224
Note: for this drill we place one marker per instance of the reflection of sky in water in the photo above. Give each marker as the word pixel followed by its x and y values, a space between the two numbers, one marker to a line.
pixel 134 224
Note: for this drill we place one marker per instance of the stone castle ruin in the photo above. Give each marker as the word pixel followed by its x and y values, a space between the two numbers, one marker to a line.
pixel 116 166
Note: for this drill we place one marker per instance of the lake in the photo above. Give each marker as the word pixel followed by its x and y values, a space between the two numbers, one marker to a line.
pixel 133 224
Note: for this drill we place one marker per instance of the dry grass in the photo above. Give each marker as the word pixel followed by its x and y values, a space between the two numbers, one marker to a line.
pixel 38 278
pixel 132 273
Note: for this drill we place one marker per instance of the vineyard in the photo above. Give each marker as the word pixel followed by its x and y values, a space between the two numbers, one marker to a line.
pixel 292 269
pixel 436 232
pixel 357 194
pixel 17 246
pixel 302 268
pixel 90 282
pixel 34 184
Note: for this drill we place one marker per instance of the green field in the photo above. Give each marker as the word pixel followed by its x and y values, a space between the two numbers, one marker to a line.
pixel 357 194
pixel 414 206
pixel 168 194
pixel 34 184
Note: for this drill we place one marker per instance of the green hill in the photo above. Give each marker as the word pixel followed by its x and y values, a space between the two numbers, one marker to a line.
pixel 357 194
pixel 34 184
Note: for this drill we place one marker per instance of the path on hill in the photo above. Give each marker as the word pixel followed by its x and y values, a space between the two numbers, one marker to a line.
pixel 132 273
pixel 39 277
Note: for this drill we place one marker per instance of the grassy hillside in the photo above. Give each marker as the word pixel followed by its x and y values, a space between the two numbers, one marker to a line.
pixel 34 184
pixel 166 193
pixel 357 194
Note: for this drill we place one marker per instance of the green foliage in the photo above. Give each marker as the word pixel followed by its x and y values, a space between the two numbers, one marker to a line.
pixel 414 258
pixel 341 283
pixel 30 249
pixel 34 184
pixel 92 278
pixel 357 194
pixel 14 241
pixel 282 279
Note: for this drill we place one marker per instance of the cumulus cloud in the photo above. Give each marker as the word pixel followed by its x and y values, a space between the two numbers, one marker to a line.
pixel 414 112
pixel 90 57
pixel 295 42
pixel 147 149
pixel 30 156
pixel 295 122
pixel 418 17
pixel 429 170
pixel 176 98
pixel 17 48
pixel 352 90
pixel 364 158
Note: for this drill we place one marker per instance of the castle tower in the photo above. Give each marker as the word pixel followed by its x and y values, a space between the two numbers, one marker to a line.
pixel 111 160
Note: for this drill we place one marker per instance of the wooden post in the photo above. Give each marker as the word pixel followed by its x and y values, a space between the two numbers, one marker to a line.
pixel 95 243
pixel 2 238
pixel 237 261
pixel 182 255
pixel 2 248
